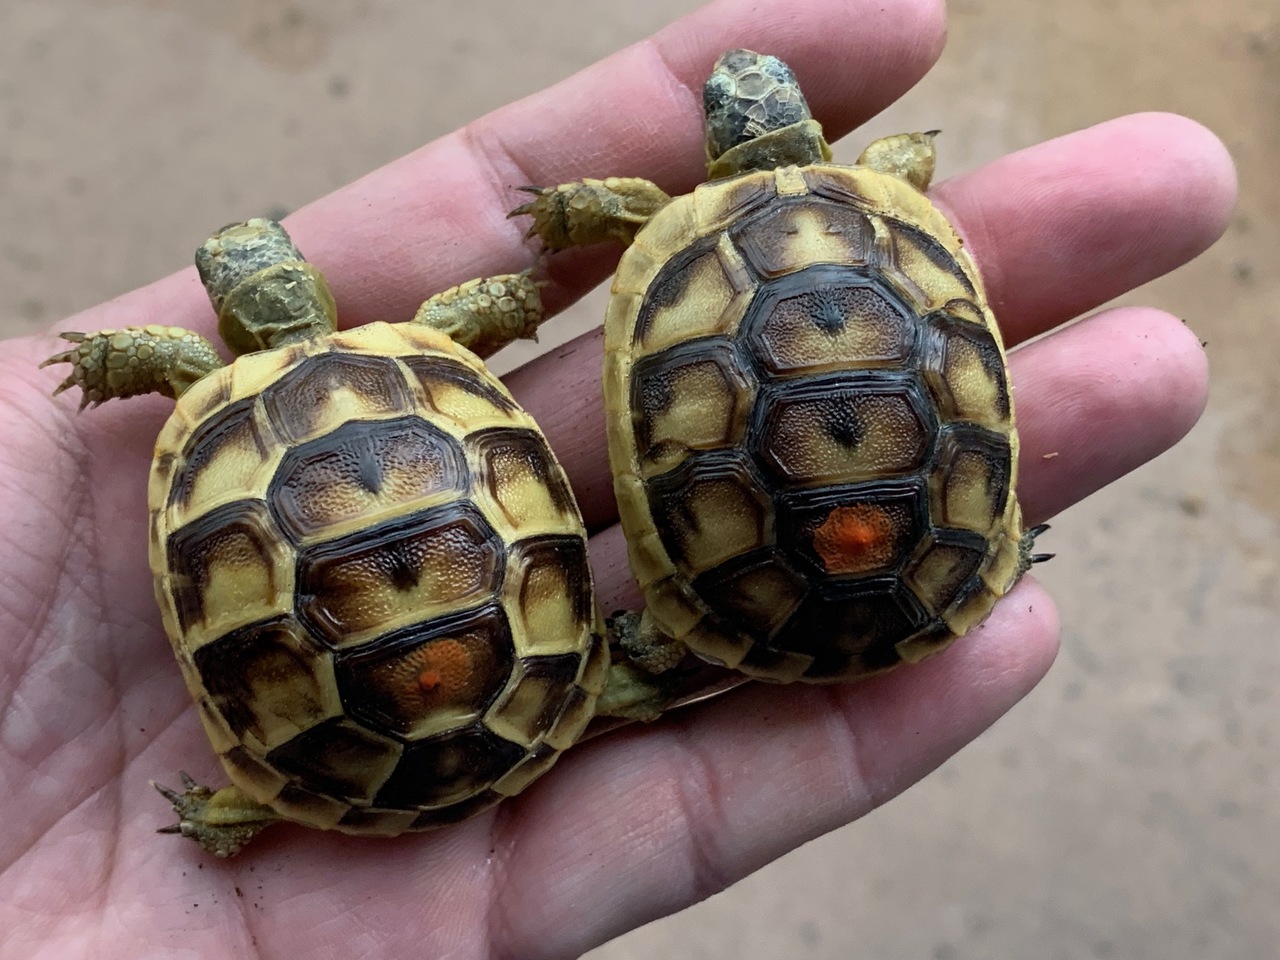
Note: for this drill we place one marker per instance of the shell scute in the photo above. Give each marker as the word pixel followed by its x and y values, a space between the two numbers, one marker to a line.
pixel 399 572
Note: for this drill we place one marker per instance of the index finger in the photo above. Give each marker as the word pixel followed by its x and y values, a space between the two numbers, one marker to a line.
pixel 437 216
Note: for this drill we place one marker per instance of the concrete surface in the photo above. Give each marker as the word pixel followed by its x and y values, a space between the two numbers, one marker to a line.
pixel 1128 808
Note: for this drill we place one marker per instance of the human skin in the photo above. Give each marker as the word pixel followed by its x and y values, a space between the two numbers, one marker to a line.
pixel 642 822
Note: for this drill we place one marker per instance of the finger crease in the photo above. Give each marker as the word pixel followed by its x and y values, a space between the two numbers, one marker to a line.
pixel 701 807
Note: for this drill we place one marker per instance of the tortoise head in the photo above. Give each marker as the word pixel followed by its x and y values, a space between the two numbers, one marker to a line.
pixel 264 292
pixel 756 116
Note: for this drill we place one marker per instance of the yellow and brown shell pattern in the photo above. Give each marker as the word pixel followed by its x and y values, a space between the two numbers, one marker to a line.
pixel 818 465
pixel 375 579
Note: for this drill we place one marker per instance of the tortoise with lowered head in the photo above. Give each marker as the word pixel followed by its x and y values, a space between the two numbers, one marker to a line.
pixel 368 560
pixel 809 415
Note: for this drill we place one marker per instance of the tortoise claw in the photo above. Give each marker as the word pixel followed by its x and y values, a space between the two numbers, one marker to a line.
pixel 171 795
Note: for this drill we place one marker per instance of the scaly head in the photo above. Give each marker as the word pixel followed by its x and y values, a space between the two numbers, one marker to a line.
pixel 265 294
pixel 756 117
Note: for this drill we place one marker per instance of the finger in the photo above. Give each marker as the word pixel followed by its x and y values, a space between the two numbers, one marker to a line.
pixel 644 823
pixel 438 216
pixel 1062 227
pixel 1099 398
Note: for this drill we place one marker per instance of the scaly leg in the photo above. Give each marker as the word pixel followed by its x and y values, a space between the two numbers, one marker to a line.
pixel 133 361
pixel 221 822
pixel 485 315
pixel 585 212
pixel 644 681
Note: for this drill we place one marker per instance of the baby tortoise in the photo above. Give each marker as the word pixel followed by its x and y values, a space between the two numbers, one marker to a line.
pixel 809 416
pixel 367 558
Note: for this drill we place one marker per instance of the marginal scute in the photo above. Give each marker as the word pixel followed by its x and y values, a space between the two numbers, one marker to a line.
pixel 529 769
pixel 377 821
pixel 925 642
pixel 1004 567
pixel 311 806
pixel 258 778
pixel 578 710
pixel 785 666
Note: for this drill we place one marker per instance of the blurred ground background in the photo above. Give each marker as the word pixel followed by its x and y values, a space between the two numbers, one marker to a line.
pixel 1129 807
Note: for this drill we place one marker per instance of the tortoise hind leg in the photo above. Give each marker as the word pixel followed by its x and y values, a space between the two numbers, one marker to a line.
pixel 644 682
pixel 486 314
pixel 586 212
pixel 133 361
pixel 221 822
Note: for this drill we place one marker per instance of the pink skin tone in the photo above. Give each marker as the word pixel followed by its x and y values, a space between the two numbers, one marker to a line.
pixel 641 823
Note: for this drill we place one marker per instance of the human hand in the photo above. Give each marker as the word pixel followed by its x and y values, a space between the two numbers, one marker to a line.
pixel 642 822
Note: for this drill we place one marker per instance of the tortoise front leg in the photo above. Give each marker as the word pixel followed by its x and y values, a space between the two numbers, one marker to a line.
pixel 485 315
pixel 133 361
pixel 908 156
pixel 221 822
pixel 585 212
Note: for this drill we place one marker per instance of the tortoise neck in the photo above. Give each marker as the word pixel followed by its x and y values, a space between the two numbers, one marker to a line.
pixel 264 292
pixel 798 144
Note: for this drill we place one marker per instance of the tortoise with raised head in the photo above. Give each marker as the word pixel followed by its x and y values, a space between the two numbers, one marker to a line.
pixel 367 558
pixel 809 415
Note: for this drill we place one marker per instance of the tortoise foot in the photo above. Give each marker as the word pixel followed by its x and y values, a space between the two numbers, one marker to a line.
pixel 133 361
pixel 221 822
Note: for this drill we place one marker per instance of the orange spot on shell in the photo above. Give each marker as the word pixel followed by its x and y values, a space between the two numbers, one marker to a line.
pixel 442 669
pixel 855 539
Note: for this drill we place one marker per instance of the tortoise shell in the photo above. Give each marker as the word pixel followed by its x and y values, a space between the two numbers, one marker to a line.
pixel 374 577
pixel 811 424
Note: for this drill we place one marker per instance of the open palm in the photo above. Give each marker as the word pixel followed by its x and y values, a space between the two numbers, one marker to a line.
pixel 645 821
